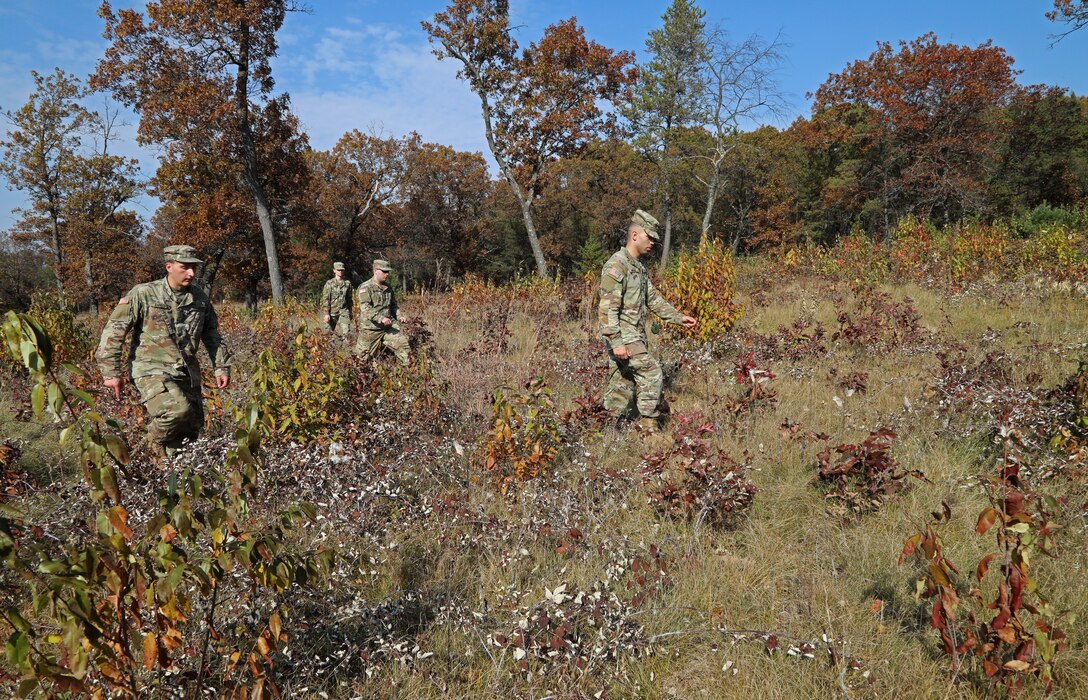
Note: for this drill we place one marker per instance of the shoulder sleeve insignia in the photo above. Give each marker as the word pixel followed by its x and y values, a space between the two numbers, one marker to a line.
pixel 614 272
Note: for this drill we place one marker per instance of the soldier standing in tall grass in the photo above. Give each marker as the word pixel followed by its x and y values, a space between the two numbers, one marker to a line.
pixel 634 375
pixel 378 322
pixel 168 318
pixel 336 302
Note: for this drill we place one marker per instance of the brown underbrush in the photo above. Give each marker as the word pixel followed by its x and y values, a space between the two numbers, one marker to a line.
pixel 832 510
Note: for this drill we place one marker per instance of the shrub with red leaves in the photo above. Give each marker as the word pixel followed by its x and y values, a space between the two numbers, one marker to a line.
pixel 695 480
pixel 863 477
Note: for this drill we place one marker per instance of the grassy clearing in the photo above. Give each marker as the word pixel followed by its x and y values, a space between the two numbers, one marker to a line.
pixel 450 566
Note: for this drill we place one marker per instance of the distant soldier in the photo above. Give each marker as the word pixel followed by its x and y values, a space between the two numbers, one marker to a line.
pixel 378 324
pixel 336 302
pixel 626 294
pixel 168 319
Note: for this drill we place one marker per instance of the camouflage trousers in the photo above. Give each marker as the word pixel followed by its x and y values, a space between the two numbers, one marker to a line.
pixel 340 324
pixel 175 410
pixel 639 377
pixel 371 341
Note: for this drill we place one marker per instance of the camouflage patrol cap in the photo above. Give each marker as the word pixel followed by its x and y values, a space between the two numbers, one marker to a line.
pixel 181 254
pixel 647 222
pixel 383 265
pixel 338 266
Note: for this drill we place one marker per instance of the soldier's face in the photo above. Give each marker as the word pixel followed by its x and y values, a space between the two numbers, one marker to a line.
pixel 339 274
pixel 380 275
pixel 643 243
pixel 180 275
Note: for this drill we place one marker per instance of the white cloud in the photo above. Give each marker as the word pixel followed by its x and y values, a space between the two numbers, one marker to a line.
pixel 76 56
pixel 373 78
pixel 355 75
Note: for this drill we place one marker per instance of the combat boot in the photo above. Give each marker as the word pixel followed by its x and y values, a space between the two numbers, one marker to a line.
pixel 159 455
pixel 649 425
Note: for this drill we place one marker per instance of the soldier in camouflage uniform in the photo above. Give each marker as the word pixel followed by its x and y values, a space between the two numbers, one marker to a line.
pixel 378 324
pixel 336 302
pixel 626 294
pixel 168 319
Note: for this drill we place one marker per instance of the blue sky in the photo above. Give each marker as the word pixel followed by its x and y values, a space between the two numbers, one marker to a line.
pixel 366 64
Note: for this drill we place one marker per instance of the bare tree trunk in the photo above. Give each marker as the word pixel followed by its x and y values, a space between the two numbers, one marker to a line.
pixel 58 256
pixel 666 244
pixel 711 199
pixel 88 277
pixel 251 295
pixel 211 268
pixel 251 173
pixel 530 230
pixel 264 215
pixel 525 198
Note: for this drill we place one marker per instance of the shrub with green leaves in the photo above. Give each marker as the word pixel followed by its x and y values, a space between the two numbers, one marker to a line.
pixel 72 341
pixel 524 438
pixel 301 388
pixel 1045 217
pixel 129 606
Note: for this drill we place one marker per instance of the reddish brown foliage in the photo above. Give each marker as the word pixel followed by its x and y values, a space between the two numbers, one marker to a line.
pixel 696 480
pixel 863 477
pixel 922 118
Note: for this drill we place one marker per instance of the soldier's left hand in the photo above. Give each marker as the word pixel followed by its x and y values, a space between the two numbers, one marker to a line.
pixel 387 321
pixel 688 322
pixel 222 381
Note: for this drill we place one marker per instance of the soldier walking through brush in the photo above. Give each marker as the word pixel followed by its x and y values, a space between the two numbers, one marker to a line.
pixel 336 302
pixel 378 325
pixel 168 318
pixel 626 295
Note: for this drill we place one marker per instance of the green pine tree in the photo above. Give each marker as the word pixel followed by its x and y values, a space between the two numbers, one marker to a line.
pixel 668 97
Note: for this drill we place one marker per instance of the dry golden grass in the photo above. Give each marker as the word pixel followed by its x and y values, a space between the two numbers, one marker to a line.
pixel 789 569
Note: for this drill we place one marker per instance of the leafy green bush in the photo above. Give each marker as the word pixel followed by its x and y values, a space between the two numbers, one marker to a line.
pixel 72 340
pixel 701 283
pixel 1045 216
pixel 301 388
pixel 128 607
pixel 591 258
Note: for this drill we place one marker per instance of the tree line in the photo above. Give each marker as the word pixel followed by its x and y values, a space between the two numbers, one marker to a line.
pixel 581 134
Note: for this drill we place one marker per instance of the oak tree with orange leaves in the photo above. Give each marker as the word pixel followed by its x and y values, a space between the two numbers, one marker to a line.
pixel 196 71
pixel 1072 13
pixel 441 231
pixel 922 121
pixel 539 104
pixel 354 186
pixel 201 196
pixel 600 188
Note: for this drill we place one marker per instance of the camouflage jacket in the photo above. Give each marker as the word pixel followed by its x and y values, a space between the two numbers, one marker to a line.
pixel 626 294
pixel 336 297
pixel 164 336
pixel 375 303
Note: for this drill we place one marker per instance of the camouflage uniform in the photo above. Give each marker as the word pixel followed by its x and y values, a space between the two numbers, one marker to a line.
pixel 166 329
pixel 377 301
pixel 626 294
pixel 336 303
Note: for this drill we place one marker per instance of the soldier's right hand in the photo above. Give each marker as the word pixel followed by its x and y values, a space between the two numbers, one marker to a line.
pixel 620 351
pixel 327 318
pixel 114 384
